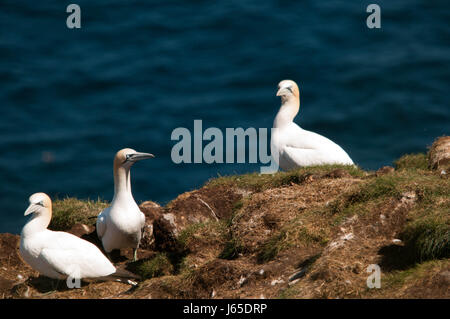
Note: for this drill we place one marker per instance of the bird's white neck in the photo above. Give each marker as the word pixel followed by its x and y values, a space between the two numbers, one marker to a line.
pixel 122 184
pixel 288 110
pixel 39 222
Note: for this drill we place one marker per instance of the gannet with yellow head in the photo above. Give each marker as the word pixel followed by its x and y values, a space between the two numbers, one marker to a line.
pixel 293 146
pixel 59 255
pixel 121 224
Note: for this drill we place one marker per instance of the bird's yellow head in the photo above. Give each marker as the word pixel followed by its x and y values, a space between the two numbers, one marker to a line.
pixel 39 202
pixel 127 157
pixel 288 89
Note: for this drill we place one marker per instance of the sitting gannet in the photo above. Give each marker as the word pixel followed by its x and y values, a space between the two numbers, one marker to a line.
pixel 293 146
pixel 59 255
pixel 120 225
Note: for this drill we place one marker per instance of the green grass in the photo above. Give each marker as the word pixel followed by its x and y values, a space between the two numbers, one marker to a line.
pixel 70 211
pixel 231 250
pixel 427 239
pixel 416 273
pixel 289 292
pixel 259 182
pixel 237 206
pixel 203 231
pixel 188 233
pixel 384 186
pixel 271 248
pixel 157 266
pixel 293 235
pixel 431 193
pixel 362 199
pixel 412 161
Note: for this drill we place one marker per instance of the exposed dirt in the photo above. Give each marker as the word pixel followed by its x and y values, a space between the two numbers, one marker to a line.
pixel 205 204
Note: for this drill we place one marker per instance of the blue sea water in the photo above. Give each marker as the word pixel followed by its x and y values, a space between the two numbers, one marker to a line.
pixel 136 70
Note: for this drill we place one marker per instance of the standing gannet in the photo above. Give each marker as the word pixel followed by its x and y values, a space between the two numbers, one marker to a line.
pixel 59 255
pixel 120 225
pixel 295 147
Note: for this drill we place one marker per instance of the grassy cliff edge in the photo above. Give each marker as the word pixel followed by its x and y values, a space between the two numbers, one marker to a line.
pixel 306 233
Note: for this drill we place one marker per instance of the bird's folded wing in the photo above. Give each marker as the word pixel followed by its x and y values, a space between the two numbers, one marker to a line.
pixel 77 263
pixel 303 139
pixel 302 157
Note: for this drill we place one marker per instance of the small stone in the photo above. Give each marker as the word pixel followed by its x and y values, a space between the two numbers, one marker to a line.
pixel 277 281
pixel 261 272
pixel 294 282
pixel 396 241
pixel 213 293
pixel 409 195
pixel 242 281
pixel 408 198
pixel 348 236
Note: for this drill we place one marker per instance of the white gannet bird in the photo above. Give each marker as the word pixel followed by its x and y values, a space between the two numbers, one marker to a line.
pixel 120 225
pixel 294 146
pixel 59 255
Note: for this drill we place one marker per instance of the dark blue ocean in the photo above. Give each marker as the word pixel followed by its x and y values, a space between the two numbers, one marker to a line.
pixel 136 70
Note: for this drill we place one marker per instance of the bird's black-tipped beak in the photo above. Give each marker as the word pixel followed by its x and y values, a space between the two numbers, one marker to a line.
pixel 135 157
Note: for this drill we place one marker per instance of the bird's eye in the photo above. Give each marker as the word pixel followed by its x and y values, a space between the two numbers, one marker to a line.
pixel 289 88
pixel 127 158
pixel 41 203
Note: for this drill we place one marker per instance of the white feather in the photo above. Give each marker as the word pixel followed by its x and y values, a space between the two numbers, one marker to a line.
pixel 121 224
pixel 293 146
pixel 58 254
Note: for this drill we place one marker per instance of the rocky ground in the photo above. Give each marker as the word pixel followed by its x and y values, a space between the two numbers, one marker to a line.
pixel 308 233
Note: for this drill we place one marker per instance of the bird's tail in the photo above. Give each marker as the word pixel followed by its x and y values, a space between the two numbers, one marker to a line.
pixel 122 275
